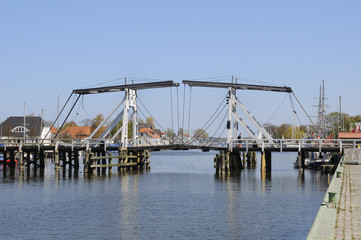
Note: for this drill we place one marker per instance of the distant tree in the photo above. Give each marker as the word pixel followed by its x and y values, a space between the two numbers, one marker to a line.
pixel 70 124
pixel 150 120
pixel 119 126
pixel 351 120
pixel 95 123
pixel 86 122
pixel 170 133
pixel 97 120
pixel 200 133
pixel 271 129
pixel 282 130
pixel 333 123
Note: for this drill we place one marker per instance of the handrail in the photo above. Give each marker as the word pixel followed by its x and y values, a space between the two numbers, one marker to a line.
pixel 282 144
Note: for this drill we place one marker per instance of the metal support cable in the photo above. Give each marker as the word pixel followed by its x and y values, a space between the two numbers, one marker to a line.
pixel 171 109
pixel 309 118
pixel 67 116
pixel 145 118
pixel 276 110
pixel 204 127
pixel 150 114
pixel 184 103
pixel 204 130
pixel 57 117
pixel 190 102
pixel 294 110
pixel 178 106
pixel 225 116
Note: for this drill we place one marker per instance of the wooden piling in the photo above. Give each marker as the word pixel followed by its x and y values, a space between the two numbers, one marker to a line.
pixel 21 158
pixel 12 159
pixel 87 162
pixel 235 162
pixel 244 158
pixel 110 163
pixel 268 156
pixel 76 160
pixel 263 161
pixel 42 159
pixel 251 160
pixel 223 163
pixel 57 159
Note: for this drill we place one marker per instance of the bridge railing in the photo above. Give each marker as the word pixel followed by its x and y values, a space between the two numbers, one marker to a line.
pixel 205 142
pixel 296 143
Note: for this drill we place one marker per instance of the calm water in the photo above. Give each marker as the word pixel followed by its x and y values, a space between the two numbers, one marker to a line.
pixel 179 198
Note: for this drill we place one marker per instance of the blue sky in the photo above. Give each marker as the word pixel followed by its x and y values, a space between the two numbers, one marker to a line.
pixel 49 48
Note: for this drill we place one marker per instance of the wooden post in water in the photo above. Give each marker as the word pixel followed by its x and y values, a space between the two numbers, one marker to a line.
pixel 57 159
pixel 92 162
pixel 251 160
pixel 146 158
pixel 12 159
pixel 28 159
pixel 104 162
pixel 227 162
pixel 76 160
pixel 140 165
pixel 4 162
pixel 97 161
pixel 248 160
pixel 268 156
pixel 21 159
pixel 303 157
pixel 235 162
pixel 86 162
pixel 244 159
pixel 110 163
pixel 42 159
pixel 263 161
pixel 301 160
pixel 223 163
pixel 254 160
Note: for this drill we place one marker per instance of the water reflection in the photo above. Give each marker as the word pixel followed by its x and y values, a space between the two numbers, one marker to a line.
pixel 266 177
pixel 128 205
pixel 231 176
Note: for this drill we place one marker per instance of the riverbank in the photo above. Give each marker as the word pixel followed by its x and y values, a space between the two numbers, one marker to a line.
pixel 339 216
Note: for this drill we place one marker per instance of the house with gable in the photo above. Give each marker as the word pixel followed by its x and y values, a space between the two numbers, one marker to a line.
pixel 148 135
pixel 30 127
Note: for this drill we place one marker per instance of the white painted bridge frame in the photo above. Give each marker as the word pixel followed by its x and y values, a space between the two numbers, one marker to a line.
pixel 282 144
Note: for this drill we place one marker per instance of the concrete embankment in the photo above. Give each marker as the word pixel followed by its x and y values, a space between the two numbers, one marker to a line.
pixel 339 216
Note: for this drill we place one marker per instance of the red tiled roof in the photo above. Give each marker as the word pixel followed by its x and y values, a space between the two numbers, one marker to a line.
pixel 79 132
pixel 53 130
pixel 149 131
pixel 349 135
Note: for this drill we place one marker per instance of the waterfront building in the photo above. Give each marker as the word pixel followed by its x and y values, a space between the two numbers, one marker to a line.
pixel 29 127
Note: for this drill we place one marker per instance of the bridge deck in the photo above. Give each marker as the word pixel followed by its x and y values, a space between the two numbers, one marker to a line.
pixel 175 147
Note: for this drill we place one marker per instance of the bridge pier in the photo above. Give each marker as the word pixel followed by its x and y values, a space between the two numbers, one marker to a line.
pixel 226 161
pixel 127 161
pixel 251 160
pixel 31 156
